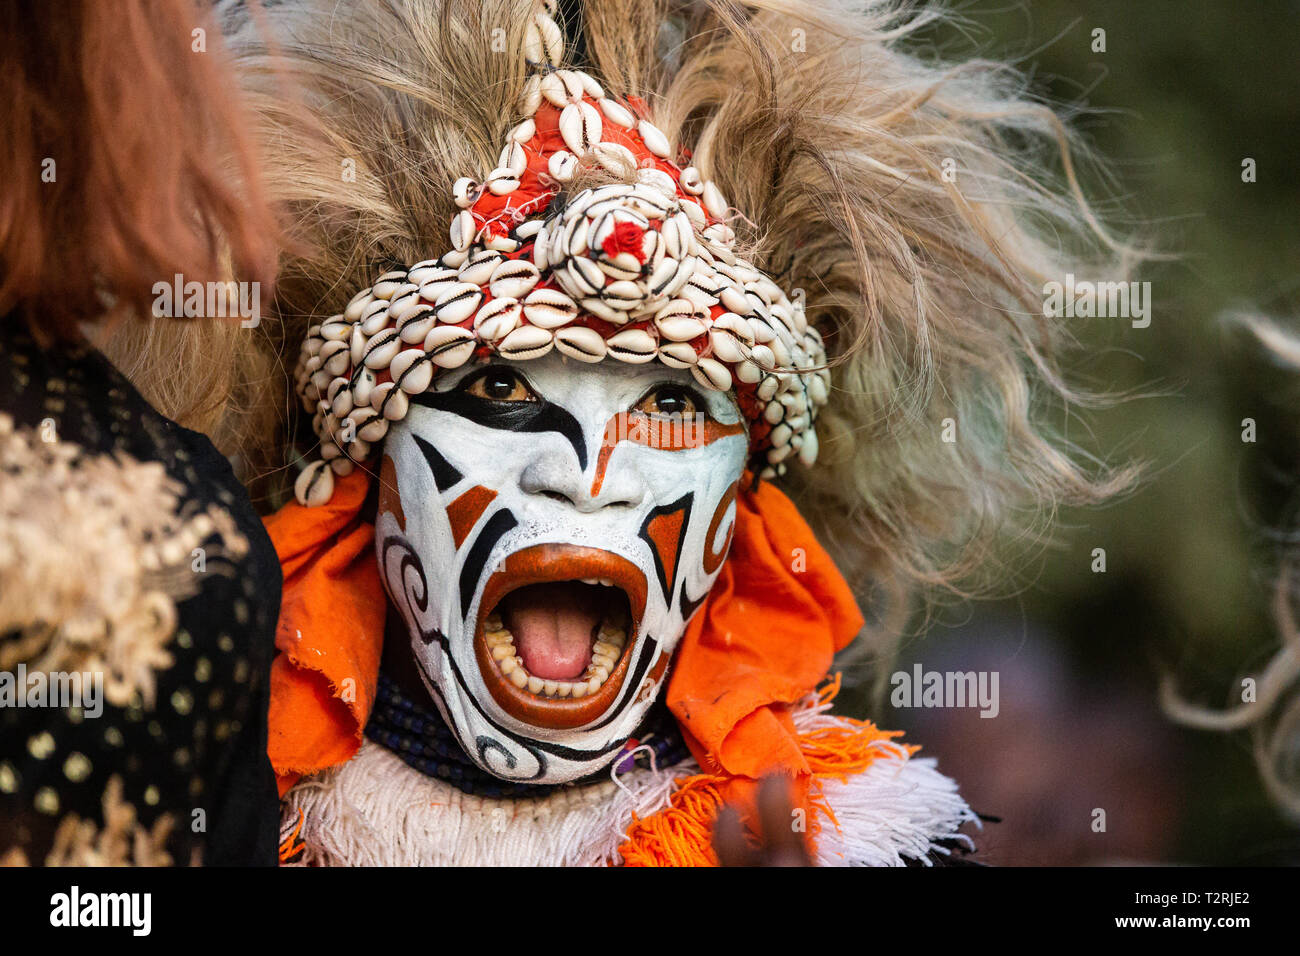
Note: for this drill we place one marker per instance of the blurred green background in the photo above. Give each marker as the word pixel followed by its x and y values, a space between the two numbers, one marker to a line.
pixel 1182 94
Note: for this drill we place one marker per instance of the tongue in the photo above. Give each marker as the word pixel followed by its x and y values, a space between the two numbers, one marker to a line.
pixel 552 625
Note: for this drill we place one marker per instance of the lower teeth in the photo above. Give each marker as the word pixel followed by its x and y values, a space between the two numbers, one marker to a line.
pixel 605 653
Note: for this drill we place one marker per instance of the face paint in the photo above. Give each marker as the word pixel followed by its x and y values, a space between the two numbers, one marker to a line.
pixel 546 529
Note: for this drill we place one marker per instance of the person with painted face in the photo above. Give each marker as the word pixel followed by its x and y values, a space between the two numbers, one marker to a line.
pixel 545 603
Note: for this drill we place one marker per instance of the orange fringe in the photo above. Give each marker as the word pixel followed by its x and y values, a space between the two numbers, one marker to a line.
pixel 682 833
pixel 288 849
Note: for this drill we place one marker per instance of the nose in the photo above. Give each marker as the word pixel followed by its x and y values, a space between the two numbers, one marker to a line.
pixel 558 476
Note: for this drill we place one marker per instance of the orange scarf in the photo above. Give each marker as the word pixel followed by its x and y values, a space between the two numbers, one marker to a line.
pixel 763 640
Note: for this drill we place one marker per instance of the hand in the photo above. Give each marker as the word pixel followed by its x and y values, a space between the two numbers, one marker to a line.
pixel 778 842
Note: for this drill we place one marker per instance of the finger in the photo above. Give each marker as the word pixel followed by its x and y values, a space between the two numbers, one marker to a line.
pixel 783 840
pixel 729 840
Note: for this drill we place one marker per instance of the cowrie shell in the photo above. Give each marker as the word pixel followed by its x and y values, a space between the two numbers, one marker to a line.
pixel 679 321
pixel 721 234
pixel 315 485
pixel 623 295
pixel 513 159
pixel 497 319
pixel 583 276
pixel 575 236
pixel 531 98
pixel 374 318
pixel 554 91
pixel 340 397
pixel 733 299
pixel 387 284
pixel 590 86
pixel 404 301
pixel 552 38
pixel 712 374
pixel 713 200
pixel 534 48
pixel 747 371
pixel 549 308
pixel 454 259
pixel 580 127
pixel 614 157
pixel 808 450
pixel 335 357
pixel 458 303
pixel 416 325
pixel 356 305
pixel 335 328
pixel 465 191
pixel 513 278
pixel 478 270
pixel 572 81
pixel 462 230
pixel 634 346
pixel 762 356
pixel 678 354
pixel 541 254
pixel 390 401
pixel 658 180
pixel 526 342
pixel 737 326
pixel 381 348
pixel 616 112
pixel 654 139
pixel 694 213
pixel 581 343
pixel 412 371
pixel 450 346
pixel 600 310
pixel 374 429
pixel 691 181
pixel 817 390
pixel 726 346
pixel 502 182
pixel 363 385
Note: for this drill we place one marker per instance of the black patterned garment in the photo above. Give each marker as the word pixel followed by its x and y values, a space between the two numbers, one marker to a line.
pixel 176 770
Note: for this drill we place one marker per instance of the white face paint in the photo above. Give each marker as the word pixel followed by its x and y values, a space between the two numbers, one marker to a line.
pixel 512 483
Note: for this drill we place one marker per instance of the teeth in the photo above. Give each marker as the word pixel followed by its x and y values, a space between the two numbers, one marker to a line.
pixel 605 652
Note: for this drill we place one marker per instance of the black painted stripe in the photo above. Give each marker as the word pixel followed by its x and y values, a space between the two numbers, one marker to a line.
pixel 531 417
pixel 444 474
pixel 500 522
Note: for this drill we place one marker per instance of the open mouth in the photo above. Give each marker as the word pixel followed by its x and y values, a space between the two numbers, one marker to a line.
pixel 555 632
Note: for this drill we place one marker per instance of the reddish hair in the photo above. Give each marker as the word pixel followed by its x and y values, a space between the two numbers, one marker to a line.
pixel 152 171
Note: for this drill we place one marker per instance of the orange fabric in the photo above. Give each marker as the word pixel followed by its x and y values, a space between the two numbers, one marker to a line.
pixel 682 833
pixel 330 633
pixel 765 638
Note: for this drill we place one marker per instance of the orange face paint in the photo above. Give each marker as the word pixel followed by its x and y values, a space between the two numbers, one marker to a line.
pixel 664 434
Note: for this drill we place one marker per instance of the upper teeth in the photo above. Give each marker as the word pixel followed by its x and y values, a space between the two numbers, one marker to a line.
pixel 606 582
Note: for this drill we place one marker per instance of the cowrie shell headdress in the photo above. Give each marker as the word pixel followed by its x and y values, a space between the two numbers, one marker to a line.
pixel 633 272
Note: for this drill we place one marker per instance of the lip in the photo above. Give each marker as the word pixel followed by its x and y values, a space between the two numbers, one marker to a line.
pixel 541 564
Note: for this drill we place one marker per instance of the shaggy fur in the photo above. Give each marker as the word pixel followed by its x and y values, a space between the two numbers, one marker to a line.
pixel 829 138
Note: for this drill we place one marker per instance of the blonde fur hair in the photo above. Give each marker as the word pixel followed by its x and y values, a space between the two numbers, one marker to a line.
pixel 832 139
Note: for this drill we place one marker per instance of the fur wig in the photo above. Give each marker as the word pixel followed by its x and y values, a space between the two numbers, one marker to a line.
pixel 918 206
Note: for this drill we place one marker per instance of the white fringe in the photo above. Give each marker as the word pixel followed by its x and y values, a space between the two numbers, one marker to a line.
pixel 377 811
